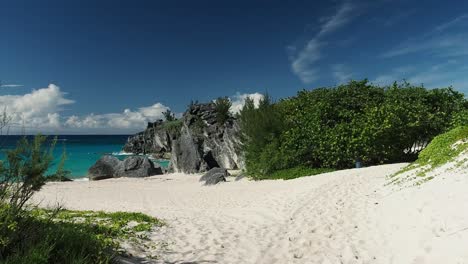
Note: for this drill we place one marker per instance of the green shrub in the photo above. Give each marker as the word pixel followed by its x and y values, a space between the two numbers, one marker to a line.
pixel 335 127
pixel 222 106
pixel 460 118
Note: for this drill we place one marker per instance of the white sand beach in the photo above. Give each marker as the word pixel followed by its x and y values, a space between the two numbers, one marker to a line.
pixel 347 216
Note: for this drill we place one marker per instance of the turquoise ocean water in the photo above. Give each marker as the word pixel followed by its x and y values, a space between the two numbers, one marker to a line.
pixel 82 150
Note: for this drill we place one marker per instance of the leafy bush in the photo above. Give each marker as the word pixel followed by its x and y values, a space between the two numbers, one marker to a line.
pixel 222 106
pixel 335 127
pixel 460 118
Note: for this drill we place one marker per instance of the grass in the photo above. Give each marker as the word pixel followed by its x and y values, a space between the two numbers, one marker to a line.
pixel 296 172
pixel 64 236
pixel 173 126
pixel 441 150
pixel 444 148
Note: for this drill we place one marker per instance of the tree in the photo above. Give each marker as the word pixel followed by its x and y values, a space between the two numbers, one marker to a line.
pixel 261 130
pixel 168 115
pixel 222 106
pixel 333 127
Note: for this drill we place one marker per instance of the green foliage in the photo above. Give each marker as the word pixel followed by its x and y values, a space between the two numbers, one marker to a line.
pixel 71 236
pixel 222 106
pixel 111 224
pixel 173 126
pixel 296 172
pixel 335 127
pixel 168 115
pixel 45 236
pixel 61 174
pixel 23 171
pixel 460 118
pixel 261 130
pixel 444 148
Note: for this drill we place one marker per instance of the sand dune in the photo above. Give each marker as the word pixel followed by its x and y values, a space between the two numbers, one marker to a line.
pixel 347 216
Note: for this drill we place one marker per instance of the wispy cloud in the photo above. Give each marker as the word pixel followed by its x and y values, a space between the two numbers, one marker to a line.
pixel 303 60
pixel 341 73
pixel 446 40
pixel 454 22
pixel 303 63
pixel 343 15
pixel 10 85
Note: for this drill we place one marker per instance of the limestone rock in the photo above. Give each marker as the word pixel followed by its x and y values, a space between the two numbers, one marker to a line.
pixel 214 176
pixel 104 168
pixel 195 143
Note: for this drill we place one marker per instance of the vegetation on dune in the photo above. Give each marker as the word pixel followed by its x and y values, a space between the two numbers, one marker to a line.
pixel 31 235
pixel 443 149
pixel 335 127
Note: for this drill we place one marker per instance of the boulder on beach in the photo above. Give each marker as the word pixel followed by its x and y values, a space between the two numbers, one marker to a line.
pixel 137 166
pixel 214 176
pixel 104 168
pixel 134 166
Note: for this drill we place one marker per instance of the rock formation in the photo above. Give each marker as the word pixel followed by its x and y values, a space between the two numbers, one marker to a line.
pixel 194 143
pixel 214 176
pixel 133 166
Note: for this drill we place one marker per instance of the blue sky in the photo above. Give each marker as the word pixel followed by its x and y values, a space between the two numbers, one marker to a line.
pixel 111 66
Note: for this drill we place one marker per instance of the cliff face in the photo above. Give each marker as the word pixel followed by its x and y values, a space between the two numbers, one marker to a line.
pixel 194 143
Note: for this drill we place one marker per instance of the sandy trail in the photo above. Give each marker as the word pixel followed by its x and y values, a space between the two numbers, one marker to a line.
pixel 347 216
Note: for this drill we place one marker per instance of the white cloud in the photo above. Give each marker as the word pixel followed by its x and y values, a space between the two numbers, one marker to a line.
pixel 303 60
pixel 238 101
pixel 38 109
pixel 155 111
pixel 128 120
